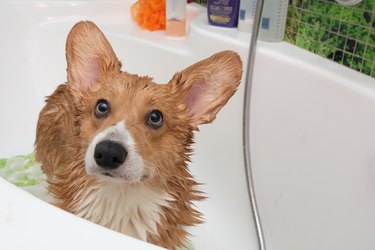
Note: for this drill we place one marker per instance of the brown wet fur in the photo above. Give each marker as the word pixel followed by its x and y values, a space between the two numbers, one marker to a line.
pixel 67 124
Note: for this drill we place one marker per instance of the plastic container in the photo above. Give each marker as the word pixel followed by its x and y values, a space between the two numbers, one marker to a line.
pixel 176 18
pixel 223 13
pixel 246 15
pixel 273 22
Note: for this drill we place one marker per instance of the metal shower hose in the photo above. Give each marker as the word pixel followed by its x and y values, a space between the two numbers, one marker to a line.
pixel 246 124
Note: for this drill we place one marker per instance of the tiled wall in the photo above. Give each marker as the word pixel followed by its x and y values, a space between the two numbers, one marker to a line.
pixel 342 34
pixel 345 35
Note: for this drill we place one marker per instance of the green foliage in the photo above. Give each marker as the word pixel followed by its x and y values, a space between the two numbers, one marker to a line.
pixel 343 34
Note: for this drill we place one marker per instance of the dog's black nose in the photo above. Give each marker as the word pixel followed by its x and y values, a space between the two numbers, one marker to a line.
pixel 109 154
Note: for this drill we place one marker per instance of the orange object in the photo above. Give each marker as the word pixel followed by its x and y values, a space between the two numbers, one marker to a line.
pixel 149 14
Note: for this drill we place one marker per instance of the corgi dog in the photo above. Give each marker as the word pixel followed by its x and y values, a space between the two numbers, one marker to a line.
pixel 115 146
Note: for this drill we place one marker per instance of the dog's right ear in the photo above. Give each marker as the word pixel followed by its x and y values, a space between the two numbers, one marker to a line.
pixel 89 55
pixel 206 86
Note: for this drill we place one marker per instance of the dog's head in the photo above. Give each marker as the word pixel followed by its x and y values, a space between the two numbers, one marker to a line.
pixel 131 128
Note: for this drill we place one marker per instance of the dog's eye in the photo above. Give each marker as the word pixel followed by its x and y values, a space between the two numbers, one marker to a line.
pixel 101 109
pixel 155 119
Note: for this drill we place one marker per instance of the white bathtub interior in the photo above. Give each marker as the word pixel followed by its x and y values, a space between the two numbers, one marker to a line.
pixel 311 134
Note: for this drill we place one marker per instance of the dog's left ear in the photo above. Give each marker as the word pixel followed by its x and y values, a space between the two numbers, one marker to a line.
pixel 205 87
pixel 89 55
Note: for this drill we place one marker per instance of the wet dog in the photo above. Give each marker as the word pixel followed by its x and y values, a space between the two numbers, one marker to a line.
pixel 115 146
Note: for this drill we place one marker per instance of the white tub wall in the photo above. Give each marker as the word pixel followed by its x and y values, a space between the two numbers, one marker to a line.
pixel 218 160
pixel 313 151
pixel 28 223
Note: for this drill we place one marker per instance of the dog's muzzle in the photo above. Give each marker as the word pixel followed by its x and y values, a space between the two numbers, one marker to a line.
pixel 113 153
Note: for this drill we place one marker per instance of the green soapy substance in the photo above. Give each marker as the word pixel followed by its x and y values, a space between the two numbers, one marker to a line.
pixel 26 173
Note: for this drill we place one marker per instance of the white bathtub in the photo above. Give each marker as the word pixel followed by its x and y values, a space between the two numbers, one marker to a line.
pixel 312 121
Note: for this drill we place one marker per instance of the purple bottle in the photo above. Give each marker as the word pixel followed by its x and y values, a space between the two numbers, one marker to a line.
pixel 223 13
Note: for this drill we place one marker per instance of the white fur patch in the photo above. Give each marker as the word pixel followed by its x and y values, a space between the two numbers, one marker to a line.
pixel 134 210
pixel 132 169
